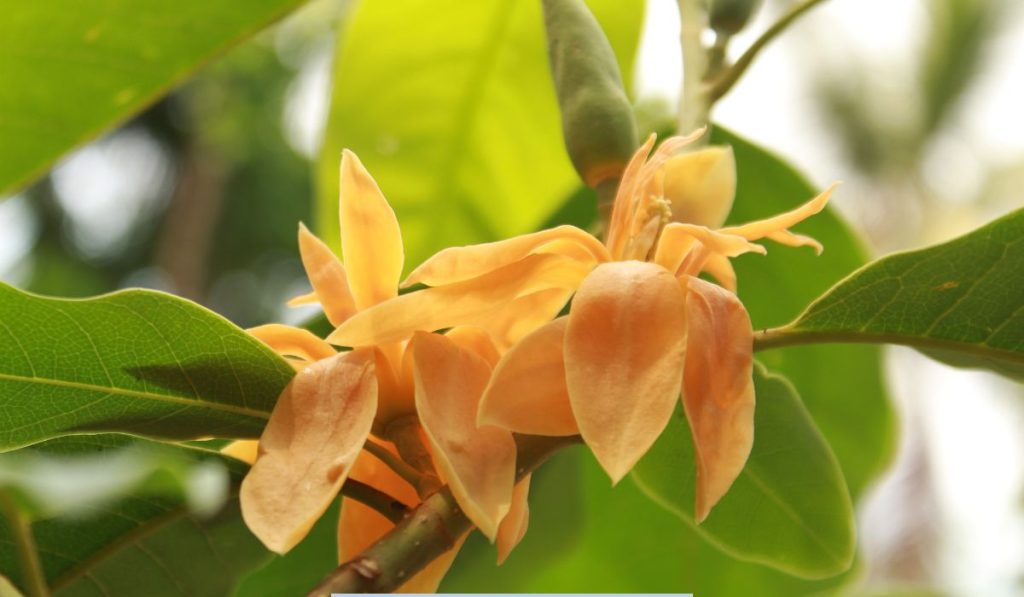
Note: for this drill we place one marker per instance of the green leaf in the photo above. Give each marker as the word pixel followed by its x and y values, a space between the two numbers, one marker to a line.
pixel 789 508
pixel 141 545
pixel 136 361
pixel 451 107
pixel 961 302
pixel 72 70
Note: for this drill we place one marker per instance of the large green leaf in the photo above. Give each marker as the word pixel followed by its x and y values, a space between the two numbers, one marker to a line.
pixel 789 508
pixel 71 70
pixel 136 361
pixel 961 301
pixel 140 545
pixel 451 107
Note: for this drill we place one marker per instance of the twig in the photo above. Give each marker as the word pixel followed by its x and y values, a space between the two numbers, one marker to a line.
pixel 34 580
pixel 400 467
pixel 429 531
pixel 388 506
pixel 694 105
pixel 724 82
pixel 406 435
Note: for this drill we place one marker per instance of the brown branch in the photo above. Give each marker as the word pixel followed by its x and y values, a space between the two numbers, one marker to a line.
pixel 388 506
pixel 429 531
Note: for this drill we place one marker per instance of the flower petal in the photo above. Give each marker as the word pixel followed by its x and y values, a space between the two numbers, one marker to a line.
pixel 328 277
pixel 478 462
pixel 456 264
pixel 291 341
pixel 701 185
pixel 624 348
pixel 720 267
pixel 475 340
pixel 371 240
pixel 768 227
pixel 718 389
pixel 315 432
pixel 524 315
pixel 513 526
pixel 527 391
pixel 243 449
pixel 472 302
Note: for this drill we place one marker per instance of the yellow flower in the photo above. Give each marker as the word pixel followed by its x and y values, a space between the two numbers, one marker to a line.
pixel 316 433
pixel 642 329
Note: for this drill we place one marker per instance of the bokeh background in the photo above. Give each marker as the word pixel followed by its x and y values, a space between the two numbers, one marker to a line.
pixel 914 105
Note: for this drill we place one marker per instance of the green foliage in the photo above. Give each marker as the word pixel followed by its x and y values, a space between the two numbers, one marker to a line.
pixel 72 70
pixel 135 361
pixel 959 301
pixel 140 545
pixel 789 509
pixel 451 106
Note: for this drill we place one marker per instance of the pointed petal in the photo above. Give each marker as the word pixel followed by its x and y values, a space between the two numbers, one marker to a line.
pixel 303 299
pixel 371 241
pixel 315 432
pixel 327 275
pixel 624 347
pixel 718 389
pixel 527 391
pixel 243 449
pixel 673 246
pixel 462 263
pixel 622 208
pixel 524 315
pixel 472 302
pixel 765 228
pixel 717 241
pixel 478 462
pixel 475 340
pixel 720 267
pixel 294 342
pixel 513 526
pixel 701 185
pixel 785 237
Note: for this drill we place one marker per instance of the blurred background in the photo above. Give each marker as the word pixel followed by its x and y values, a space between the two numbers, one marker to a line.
pixel 914 105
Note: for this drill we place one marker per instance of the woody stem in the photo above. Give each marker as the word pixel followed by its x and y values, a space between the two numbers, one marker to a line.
pixel 405 434
pixel 430 530
pixel 409 474
pixel 388 506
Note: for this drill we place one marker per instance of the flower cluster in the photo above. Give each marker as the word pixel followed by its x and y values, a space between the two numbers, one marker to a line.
pixel 642 332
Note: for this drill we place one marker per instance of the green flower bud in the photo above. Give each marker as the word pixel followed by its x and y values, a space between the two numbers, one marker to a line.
pixel 597 118
pixel 701 185
pixel 730 16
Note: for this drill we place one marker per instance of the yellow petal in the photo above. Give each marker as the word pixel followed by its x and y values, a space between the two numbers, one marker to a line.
pixel 243 449
pixel 673 246
pixel 327 275
pixel 478 462
pixel 513 526
pixel 785 237
pixel 315 432
pixel 622 208
pixel 303 299
pixel 394 392
pixel 718 389
pixel 527 392
pixel 701 185
pixel 472 302
pixel 773 225
pixel 624 347
pixel 371 241
pixel 294 342
pixel 475 340
pixel 524 315
pixel 720 267
pixel 462 263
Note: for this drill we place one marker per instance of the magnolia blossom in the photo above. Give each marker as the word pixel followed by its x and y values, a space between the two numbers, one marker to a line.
pixel 642 330
pixel 315 437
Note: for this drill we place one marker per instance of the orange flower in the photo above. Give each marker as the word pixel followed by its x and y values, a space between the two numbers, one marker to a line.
pixel 316 433
pixel 642 328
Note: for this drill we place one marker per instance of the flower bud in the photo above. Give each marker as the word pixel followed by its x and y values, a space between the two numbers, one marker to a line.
pixel 701 185
pixel 597 117
pixel 730 16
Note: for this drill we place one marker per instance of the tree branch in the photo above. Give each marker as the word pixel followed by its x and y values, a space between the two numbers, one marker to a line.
pixel 388 506
pixel 429 531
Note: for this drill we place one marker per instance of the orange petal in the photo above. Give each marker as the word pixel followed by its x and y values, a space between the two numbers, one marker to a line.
pixel 327 275
pixel 718 389
pixel 527 392
pixel 243 449
pixel 770 226
pixel 720 267
pixel 701 185
pixel 462 263
pixel 472 302
pixel 315 432
pixel 303 299
pixel 524 315
pixel 513 526
pixel 294 342
pixel 624 347
pixel 622 208
pixel 475 340
pixel 785 237
pixel 478 462
pixel 371 241
pixel 673 246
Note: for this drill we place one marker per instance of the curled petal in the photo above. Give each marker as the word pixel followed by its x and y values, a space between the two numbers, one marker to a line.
pixel 785 237
pixel 293 342
pixel 524 315
pixel 472 302
pixel 673 246
pixel 527 392
pixel 243 449
pixel 720 267
pixel 781 222
pixel 513 526
pixel 716 241
pixel 462 263
pixel 718 390
pixel 478 462
pixel 328 277
pixel 371 241
pixel 315 432
pixel 701 185
pixel 303 299
pixel 624 348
